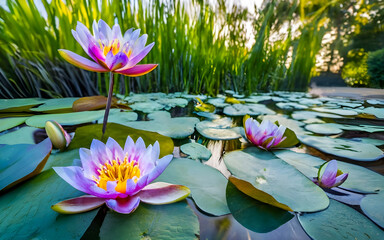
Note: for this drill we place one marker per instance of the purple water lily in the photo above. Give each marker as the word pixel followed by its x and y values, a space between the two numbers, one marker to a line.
pixel 118 177
pixel 110 50
pixel 265 135
pixel 329 176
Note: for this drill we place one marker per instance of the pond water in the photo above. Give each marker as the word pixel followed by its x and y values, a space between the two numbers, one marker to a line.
pixel 348 130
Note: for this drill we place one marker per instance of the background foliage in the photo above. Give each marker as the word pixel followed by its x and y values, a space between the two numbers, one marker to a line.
pixel 200 47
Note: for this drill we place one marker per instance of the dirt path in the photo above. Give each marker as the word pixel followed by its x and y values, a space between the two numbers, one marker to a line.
pixel 348 92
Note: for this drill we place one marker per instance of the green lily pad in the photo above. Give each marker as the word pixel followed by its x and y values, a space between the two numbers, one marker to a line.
pixel 291 106
pixel 176 128
pixel 310 102
pixel 19 105
pixel 339 222
pixel 147 107
pixel 171 221
pixel 252 214
pixel 257 99
pixel 196 151
pixel 272 177
pixel 206 183
pixel 7 123
pixel 344 148
pixel 219 129
pixel 65 119
pixel 84 136
pixel 22 161
pixel 172 102
pixel 144 97
pixel 115 116
pixel 373 206
pixel 159 115
pixel 338 111
pixel 360 179
pixel 22 135
pixel 62 159
pixel 377 112
pixel 208 115
pixel 218 102
pixel 376 142
pixel 303 115
pixel 312 121
pixel 57 105
pixel 324 128
pixel 375 101
pixel 348 104
pixel 25 211
pixel 247 109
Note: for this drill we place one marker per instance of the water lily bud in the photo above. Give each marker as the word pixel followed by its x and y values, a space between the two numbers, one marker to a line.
pixel 329 176
pixel 59 137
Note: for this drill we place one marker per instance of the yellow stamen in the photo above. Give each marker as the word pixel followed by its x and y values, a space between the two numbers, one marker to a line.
pixel 119 171
pixel 115 46
pixel 128 53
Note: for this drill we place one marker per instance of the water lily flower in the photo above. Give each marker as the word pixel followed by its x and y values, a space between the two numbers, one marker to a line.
pixel 110 50
pixel 59 137
pixel 118 177
pixel 329 176
pixel 264 135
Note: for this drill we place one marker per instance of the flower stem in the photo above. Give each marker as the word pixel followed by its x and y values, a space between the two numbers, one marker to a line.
pixel 109 101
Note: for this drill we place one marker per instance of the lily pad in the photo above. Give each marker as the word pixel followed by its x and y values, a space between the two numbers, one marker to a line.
pixel 375 101
pixel 119 117
pixel 144 97
pixel 325 129
pixel 25 211
pixel 339 222
pixel 377 112
pixel 376 142
pixel 303 115
pixel 373 206
pixel 206 183
pixel 57 105
pixel 177 128
pixel 247 109
pixel 360 179
pixel 22 135
pixel 272 177
pixel 291 106
pixel 19 104
pixel 218 102
pixel 147 107
pixel 172 221
pixel 252 214
pixel 62 159
pixel 7 123
pixel 344 148
pixel 196 151
pixel 337 111
pixel 22 161
pixel 172 102
pixel 65 119
pixel 208 115
pixel 219 129
pixel 84 136
pixel 159 115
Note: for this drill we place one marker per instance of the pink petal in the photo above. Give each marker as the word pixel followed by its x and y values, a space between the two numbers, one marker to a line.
pixel 124 205
pixel 78 205
pixel 74 176
pixel 137 58
pixel 115 148
pixel 328 177
pixel 137 70
pixel 81 62
pixel 163 193
pixel 340 179
pixel 161 165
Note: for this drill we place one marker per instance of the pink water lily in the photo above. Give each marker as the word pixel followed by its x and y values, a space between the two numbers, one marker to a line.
pixel 110 50
pixel 265 135
pixel 330 176
pixel 118 177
